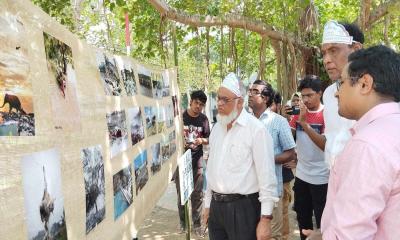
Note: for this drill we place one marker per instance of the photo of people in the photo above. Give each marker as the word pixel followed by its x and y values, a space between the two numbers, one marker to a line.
pixel 145 84
pixel 44 202
pixel 157 85
pixel 117 132
pixel 136 124
pixel 64 101
pixel 155 158
pixel 125 68
pixel 16 103
pixel 165 152
pixel 141 172
pixel 161 119
pixel 150 116
pixel 93 173
pixel 123 194
pixel 176 105
pixel 170 116
pixel 109 74
pixel 165 83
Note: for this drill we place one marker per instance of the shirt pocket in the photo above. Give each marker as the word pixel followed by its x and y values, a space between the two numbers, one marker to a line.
pixel 238 158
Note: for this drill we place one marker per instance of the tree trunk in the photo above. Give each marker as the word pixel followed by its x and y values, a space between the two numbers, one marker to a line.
pixel 161 40
pixel 386 30
pixel 278 54
pixel 110 41
pixel 261 69
pixel 365 9
pixel 379 12
pixel 208 73
pixel 221 57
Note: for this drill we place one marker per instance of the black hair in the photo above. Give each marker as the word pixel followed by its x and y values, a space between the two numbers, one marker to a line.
pixel 354 31
pixel 199 95
pixel 267 91
pixel 277 98
pixel 310 81
pixel 383 64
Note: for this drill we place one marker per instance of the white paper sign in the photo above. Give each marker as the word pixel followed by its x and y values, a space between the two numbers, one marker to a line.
pixel 185 176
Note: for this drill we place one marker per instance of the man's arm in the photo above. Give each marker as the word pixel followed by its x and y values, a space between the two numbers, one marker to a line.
pixel 317 138
pixel 286 141
pixel 286 156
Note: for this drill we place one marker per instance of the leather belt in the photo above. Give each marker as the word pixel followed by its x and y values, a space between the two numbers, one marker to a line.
pixel 220 197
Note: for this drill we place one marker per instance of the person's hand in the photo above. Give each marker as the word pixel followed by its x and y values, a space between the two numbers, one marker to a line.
pixel 264 229
pixel 312 235
pixel 197 142
pixel 291 164
pixel 303 110
pixel 206 214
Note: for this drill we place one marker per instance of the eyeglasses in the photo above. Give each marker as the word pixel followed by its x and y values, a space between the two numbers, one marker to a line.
pixel 340 81
pixel 225 100
pixel 253 92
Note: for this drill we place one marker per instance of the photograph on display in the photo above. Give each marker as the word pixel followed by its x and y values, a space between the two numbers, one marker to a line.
pixel 165 83
pixel 109 74
pixel 144 81
pixel 127 74
pixel 123 194
pixel 141 172
pixel 155 158
pixel 172 143
pixel 176 105
pixel 150 116
pixel 16 102
pixel 44 202
pixel 93 174
pixel 170 116
pixel 136 124
pixel 161 119
pixel 165 149
pixel 157 85
pixel 117 132
pixel 64 99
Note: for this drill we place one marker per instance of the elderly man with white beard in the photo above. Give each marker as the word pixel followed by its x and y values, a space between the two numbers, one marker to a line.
pixel 241 182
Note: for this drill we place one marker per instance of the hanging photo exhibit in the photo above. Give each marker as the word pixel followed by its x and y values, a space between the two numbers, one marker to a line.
pixel 117 132
pixel 165 152
pixel 93 174
pixel 155 158
pixel 170 115
pixel 150 116
pixel 141 172
pixel 125 68
pixel 157 85
pixel 123 195
pixel 109 74
pixel 176 106
pixel 145 83
pixel 64 101
pixel 44 202
pixel 172 143
pixel 161 119
pixel 165 83
pixel 136 124
pixel 16 109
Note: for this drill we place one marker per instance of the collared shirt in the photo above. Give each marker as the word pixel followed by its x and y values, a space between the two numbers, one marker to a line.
pixel 241 161
pixel 363 200
pixel 336 127
pixel 282 137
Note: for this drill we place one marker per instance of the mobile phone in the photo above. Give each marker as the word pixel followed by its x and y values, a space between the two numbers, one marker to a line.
pixel 295 111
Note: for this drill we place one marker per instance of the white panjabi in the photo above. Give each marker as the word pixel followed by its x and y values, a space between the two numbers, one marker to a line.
pixel 335 32
pixel 231 82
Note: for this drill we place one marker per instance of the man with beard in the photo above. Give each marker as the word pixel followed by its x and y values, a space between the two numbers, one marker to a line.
pixel 241 182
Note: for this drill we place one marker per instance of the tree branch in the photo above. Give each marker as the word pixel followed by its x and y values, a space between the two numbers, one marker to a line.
pixel 380 12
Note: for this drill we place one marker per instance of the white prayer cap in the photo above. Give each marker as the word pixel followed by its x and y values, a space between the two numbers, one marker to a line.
pixel 336 33
pixel 231 82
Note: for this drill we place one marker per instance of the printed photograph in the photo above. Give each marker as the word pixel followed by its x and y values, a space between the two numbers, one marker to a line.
pixel 141 172
pixel 117 132
pixel 64 99
pixel 165 83
pixel 16 101
pixel 44 202
pixel 157 85
pixel 161 119
pixel 155 158
pixel 176 106
pixel 123 194
pixel 136 124
pixel 125 68
pixel 145 83
pixel 109 74
pixel 172 143
pixel 150 116
pixel 170 116
pixel 93 174
pixel 165 152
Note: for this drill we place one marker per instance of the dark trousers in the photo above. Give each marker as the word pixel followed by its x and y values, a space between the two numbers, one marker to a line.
pixel 196 198
pixel 308 198
pixel 236 220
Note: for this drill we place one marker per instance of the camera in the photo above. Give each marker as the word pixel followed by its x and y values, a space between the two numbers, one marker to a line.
pixel 295 110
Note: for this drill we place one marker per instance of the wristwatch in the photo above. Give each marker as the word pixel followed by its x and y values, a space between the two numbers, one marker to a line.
pixel 267 217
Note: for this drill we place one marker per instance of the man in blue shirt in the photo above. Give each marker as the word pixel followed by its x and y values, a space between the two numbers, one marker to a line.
pixel 261 97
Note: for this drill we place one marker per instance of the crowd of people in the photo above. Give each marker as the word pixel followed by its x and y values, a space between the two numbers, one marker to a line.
pixel 337 149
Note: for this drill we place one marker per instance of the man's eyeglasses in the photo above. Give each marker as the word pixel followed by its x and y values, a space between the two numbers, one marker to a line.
pixel 225 100
pixel 253 92
pixel 339 82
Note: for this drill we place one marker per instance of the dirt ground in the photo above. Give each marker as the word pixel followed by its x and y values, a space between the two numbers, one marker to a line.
pixel 162 223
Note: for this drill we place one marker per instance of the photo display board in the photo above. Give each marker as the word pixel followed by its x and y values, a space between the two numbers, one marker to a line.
pixel 89 139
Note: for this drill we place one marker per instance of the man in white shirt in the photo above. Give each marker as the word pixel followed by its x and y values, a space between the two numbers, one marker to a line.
pixel 241 181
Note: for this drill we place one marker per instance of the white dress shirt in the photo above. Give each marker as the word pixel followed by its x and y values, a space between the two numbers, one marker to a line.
pixel 241 161
pixel 337 128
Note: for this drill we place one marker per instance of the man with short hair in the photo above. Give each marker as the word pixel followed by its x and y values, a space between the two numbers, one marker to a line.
pixel 196 131
pixel 311 182
pixel 364 192
pixel 261 96
pixel 241 182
